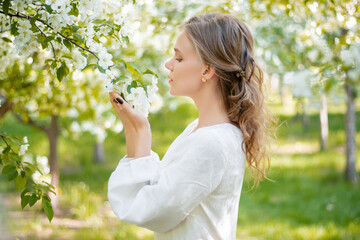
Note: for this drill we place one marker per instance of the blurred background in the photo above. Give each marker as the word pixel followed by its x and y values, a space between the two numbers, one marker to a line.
pixel 310 54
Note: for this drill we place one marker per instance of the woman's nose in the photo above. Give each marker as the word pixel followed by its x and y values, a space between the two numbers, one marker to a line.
pixel 168 65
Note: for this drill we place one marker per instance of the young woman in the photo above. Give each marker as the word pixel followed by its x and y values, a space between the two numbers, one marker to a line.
pixel 194 191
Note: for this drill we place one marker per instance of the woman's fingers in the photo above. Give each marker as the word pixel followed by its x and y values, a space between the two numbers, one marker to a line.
pixel 137 120
pixel 119 111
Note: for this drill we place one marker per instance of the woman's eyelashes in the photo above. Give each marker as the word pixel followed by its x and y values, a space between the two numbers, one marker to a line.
pixel 178 59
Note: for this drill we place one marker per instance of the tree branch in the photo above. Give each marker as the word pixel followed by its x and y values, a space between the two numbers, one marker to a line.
pixel 52 46
pixel 31 122
pixel 28 17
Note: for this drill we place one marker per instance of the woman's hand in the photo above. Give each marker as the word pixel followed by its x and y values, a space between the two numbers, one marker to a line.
pixel 136 127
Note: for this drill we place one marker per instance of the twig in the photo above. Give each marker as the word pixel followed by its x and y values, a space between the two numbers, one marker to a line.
pixel 31 122
pixel 45 23
pixel 52 46
pixel 21 165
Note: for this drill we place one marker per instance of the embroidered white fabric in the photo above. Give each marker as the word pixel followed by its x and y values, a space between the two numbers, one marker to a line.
pixel 192 193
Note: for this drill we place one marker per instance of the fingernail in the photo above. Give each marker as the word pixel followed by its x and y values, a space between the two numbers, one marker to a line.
pixel 119 100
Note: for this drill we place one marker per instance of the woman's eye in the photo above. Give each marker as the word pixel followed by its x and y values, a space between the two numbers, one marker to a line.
pixel 178 59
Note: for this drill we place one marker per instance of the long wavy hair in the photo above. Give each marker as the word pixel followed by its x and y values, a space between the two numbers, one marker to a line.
pixel 225 42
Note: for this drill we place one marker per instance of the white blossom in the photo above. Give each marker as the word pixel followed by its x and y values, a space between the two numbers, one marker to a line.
pixel 118 19
pixel 137 98
pixel 109 85
pixel 79 60
pixel 152 90
pixel 105 59
pixel 23 149
pixel 125 29
pixel 20 5
pixel 103 31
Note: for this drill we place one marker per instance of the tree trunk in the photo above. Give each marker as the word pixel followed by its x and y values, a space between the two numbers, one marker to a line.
pixel 305 116
pixel 5 106
pixel 284 96
pixel 324 126
pixel 53 161
pixel 99 152
pixel 350 124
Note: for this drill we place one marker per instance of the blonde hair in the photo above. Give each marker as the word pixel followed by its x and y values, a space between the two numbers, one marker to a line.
pixel 225 42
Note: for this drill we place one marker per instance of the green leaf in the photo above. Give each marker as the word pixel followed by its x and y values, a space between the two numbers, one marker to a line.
pixel 33 20
pixel 42 40
pixel 14 143
pixel 33 199
pixel 29 171
pixel 132 85
pixel 7 169
pixel 12 175
pixel 24 192
pixel 126 40
pixel 48 8
pixel 148 71
pixel 48 207
pixel 6 6
pixel 131 67
pixel 14 29
pixel 20 182
pixel 54 65
pixel 34 167
pixel 67 44
pixel 100 68
pixel 49 39
pixel 6 39
pixel 75 28
pixel 62 71
pixel 24 200
pixel 51 186
pixel 74 11
pixel 78 36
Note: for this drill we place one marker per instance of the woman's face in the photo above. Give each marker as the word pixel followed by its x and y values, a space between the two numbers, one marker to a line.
pixel 185 68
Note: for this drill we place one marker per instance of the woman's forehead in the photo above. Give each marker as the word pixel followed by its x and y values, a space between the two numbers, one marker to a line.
pixel 183 44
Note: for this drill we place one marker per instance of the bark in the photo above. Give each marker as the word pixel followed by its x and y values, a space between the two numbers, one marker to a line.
pixel 305 116
pixel 350 124
pixel 324 126
pixel 99 153
pixel 6 106
pixel 53 133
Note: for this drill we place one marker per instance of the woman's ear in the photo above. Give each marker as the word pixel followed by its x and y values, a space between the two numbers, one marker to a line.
pixel 209 72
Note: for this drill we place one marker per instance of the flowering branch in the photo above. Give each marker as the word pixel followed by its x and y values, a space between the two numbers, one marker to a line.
pixel 52 46
pixel 28 17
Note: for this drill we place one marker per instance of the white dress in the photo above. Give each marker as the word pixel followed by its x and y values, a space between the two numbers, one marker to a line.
pixel 192 194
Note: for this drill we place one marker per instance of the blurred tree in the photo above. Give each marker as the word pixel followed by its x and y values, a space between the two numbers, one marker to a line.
pixel 55 106
pixel 311 34
pixel 66 33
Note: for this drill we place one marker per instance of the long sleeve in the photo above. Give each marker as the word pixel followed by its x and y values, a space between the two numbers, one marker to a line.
pixel 159 195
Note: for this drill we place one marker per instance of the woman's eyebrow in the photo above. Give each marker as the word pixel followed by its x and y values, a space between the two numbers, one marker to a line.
pixel 177 50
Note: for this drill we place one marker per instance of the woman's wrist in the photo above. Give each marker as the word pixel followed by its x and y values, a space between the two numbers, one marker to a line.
pixel 143 143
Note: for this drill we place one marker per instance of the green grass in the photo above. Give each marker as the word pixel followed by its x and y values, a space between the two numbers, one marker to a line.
pixel 308 199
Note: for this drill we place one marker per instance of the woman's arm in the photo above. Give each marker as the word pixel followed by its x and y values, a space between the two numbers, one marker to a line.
pixel 136 127
pixel 144 193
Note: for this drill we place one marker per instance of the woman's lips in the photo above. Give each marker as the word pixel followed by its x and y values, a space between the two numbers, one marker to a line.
pixel 170 80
